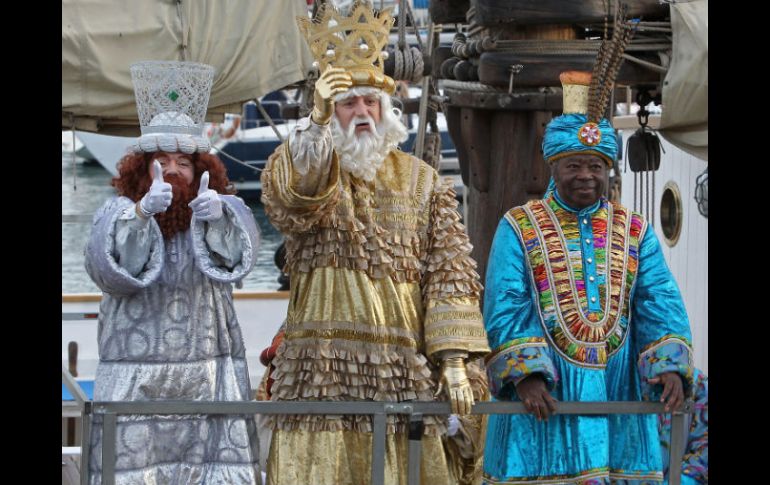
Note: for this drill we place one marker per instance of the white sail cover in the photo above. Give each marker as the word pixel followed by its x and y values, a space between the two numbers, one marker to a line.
pixel 254 46
pixel 684 121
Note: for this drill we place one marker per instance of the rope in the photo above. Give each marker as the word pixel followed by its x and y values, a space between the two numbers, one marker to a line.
pixel 652 217
pixel 74 165
pixel 398 70
pixel 408 63
pixel 470 86
pixel 179 12
pixel 419 64
pixel 414 24
pixel 269 120
pixel 648 65
pixel 401 25
pixel 256 169
pixel 457 45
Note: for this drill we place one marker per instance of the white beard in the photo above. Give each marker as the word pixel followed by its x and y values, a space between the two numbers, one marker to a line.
pixel 362 154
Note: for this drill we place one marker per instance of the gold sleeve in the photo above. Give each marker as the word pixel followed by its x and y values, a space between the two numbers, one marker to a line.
pixel 451 285
pixel 291 202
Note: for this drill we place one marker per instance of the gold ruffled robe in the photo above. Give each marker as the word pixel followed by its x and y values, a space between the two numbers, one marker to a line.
pixel 381 281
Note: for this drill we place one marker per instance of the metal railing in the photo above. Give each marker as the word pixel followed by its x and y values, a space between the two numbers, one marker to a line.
pixel 414 409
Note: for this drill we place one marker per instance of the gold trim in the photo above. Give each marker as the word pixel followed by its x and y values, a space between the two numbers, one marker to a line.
pixel 456 330
pixel 396 217
pixel 336 333
pixel 398 201
pixel 548 480
pixel 435 317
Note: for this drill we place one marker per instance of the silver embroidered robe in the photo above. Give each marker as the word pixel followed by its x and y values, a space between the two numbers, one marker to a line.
pixel 168 331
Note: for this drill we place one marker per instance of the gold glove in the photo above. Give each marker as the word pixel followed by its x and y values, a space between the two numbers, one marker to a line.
pixel 458 387
pixel 333 81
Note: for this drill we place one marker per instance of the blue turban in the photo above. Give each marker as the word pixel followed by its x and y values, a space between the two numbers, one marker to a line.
pixel 561 139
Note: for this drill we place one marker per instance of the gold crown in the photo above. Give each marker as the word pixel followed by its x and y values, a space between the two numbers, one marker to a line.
pixel 355 43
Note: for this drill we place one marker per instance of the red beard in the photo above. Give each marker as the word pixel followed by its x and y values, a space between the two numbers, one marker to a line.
pixel 178 216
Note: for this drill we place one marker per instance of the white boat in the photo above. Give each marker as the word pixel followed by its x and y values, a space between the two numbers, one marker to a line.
pixel 245 151
pixel 68 147
pixel 106 149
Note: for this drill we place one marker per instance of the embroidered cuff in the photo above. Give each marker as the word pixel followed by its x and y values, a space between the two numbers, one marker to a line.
pixel 517 359
pixel 668 354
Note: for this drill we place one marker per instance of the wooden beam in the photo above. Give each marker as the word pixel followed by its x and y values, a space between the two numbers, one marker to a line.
pixel 448 11
pixel 544 69
pixel 493 13
pixel 527 100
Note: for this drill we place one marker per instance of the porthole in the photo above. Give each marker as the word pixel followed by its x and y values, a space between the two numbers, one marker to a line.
pixel 671 213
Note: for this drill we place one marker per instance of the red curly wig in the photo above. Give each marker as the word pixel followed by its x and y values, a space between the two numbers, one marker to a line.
pixel 134 180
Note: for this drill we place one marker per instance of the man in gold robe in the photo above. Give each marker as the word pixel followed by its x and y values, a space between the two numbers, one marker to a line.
pixel 384 301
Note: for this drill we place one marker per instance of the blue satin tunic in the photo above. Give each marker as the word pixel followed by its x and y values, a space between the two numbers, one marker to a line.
pixel 651 336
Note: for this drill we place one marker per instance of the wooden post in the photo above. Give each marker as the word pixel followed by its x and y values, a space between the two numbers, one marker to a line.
pixel 514 173
pixel 499 136
pixel 72 361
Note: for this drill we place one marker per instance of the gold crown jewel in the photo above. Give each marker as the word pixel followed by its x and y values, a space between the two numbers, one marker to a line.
pixel 355 42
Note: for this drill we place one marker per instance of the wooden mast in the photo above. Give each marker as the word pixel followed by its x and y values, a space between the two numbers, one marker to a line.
pixel 498 101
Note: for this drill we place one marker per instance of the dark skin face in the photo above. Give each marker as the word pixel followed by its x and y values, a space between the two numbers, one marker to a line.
pixel 580 179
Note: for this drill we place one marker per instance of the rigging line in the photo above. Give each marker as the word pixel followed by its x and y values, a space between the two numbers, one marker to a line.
pixel 74 166
pixel 401 25
pixel 647 192
pixel 183 47
pixel 256 169
pixel 646 64
pixel 269 119
pixel 414 26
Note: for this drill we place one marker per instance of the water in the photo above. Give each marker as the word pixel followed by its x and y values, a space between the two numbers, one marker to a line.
pixel 93 188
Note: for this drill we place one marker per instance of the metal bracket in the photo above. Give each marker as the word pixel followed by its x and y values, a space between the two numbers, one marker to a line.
pixel 515 69
pixel 399 408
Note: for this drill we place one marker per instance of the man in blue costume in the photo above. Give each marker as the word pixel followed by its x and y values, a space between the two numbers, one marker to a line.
pixel 580 306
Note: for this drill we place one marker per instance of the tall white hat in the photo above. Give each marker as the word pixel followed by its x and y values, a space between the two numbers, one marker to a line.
pixel 171 99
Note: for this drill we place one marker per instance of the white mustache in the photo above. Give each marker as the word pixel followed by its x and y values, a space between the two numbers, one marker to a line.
pixel 359 120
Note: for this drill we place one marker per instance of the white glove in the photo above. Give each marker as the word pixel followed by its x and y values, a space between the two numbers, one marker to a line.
pixel 453 426
pixel 207 206
pixel 158 198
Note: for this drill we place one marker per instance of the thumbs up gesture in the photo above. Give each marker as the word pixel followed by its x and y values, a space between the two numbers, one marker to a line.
pixel 158 198
pixel 207 206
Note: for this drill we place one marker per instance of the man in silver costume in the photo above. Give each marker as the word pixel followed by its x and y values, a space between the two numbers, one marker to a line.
pixel 166 252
